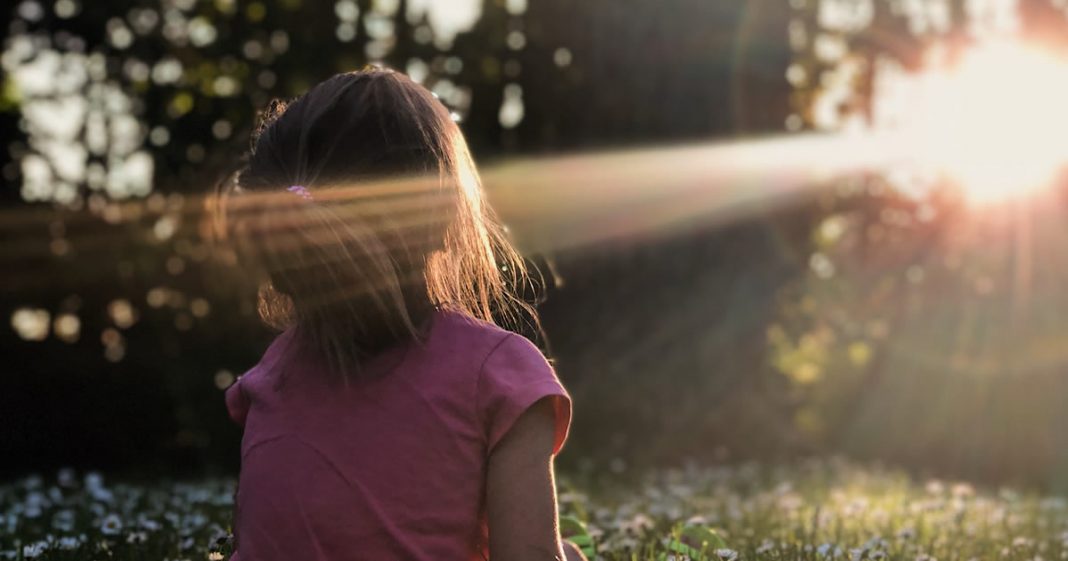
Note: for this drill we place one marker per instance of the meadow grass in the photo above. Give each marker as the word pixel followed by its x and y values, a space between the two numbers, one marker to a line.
pixel 812 511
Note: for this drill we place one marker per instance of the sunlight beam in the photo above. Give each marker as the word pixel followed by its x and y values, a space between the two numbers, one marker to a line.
pixel 568 201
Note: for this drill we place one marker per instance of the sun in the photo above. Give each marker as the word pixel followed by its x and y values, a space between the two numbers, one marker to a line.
pixel 996 120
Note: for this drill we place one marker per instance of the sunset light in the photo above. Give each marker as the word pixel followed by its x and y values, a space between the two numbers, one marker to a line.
pixel 362 280
pixel 995 121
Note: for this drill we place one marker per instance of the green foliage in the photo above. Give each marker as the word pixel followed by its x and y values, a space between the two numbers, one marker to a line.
pixel 575 530
pixel 9 95
pixel 696 542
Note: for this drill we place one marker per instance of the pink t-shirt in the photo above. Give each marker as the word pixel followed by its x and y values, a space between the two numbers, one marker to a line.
pixel 394 465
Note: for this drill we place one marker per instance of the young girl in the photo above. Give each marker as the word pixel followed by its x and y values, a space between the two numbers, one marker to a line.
pixel 391 419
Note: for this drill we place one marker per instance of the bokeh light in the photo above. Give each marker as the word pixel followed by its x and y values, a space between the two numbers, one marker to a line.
pixel 31 324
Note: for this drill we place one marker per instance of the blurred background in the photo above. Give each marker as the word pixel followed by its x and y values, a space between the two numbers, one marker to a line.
pixel 740 262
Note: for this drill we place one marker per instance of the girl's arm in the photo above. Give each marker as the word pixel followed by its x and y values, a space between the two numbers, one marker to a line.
pixel 521 493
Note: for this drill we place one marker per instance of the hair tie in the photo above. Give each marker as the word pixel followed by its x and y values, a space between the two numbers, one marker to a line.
pixel 300 191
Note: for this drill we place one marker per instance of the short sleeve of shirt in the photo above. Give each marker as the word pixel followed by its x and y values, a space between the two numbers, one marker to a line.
pixel 237 395
pixel 237 403
pixel 514 377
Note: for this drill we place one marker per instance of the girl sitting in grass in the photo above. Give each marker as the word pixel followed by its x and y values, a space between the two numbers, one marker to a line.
pixel 391 419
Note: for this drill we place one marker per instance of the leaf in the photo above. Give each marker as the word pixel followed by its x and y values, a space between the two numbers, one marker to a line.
pixel 703 537
pixel 676 546
pixel 575 531
pixel 581 541
pixel 571 526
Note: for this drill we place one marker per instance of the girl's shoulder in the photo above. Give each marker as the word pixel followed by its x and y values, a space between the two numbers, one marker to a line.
pixel 276 351
pixel 237 396
pixel 486 345
pixel 478 337
pixel 468 325
pixel 510 375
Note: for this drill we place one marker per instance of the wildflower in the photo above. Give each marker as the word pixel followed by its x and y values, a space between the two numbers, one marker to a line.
pixel 32 510
pixel 906 533
pixel 111 525
pixel 697 520
pixel 637 525
pixel 215 556
pixel 68 542
pixel 63 520
pixel 34 550
pixel 66 477
pixel 136 537
pixel 194 521
pixel 726 554
pixel 93 480
pixel 219 536
pixel 627 543
pixel 98 509
pixel 101 494
pixel 963 490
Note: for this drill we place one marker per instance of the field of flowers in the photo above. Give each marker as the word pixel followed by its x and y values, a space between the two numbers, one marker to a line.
pixel 813 511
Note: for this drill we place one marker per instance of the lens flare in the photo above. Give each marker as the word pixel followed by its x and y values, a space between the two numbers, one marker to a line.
pixel 996 121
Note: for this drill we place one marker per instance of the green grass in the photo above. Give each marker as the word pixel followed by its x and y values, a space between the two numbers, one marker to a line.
pixel 818 511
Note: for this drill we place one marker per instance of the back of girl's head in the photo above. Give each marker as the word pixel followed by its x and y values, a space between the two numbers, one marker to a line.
pixel 361 207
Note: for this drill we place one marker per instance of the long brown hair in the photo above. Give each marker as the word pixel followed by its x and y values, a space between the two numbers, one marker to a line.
pixel 362 208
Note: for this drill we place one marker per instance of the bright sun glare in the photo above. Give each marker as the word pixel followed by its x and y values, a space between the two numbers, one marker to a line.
pixel 996 121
